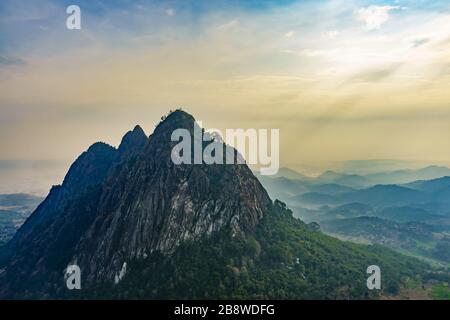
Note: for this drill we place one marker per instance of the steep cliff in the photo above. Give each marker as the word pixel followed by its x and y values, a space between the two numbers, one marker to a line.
pixel 118 205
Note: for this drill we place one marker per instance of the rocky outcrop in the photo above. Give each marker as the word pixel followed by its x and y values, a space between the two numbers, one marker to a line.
pixel 119 205
pixel 132 143
pixel 154 205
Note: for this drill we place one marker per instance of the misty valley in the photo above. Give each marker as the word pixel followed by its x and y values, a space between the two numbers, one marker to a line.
pixel 406 210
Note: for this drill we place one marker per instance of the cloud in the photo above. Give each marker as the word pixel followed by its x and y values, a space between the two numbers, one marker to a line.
pixel 9 61
pixel 420 42
pixel 376 74
pixel 328 53
pixel 289 34
pixel 142 58
pixel 375 16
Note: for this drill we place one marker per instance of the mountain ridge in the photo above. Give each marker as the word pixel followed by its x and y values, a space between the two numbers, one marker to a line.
pixel 112 224
pixel 133 223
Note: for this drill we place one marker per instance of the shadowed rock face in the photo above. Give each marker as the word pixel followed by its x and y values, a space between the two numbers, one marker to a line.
pixel 132 143
pixel 129 204
pixel 88 170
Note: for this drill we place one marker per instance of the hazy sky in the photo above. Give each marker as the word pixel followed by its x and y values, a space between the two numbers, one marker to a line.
pixel 344 79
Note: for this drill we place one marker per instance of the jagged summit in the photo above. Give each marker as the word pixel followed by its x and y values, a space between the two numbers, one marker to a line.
pixel 99 147
pixel 129 202
pixel 90 167
pixel 133 141
pixel 177 119
pixel 137 129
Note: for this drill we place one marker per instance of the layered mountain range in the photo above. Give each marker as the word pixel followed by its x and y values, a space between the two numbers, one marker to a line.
pixel 410 216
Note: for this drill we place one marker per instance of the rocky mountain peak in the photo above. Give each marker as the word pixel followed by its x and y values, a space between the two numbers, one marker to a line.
pixel 177 119
pixel 133 141
pixel 138 206
pixel 90 168
pixel 161 205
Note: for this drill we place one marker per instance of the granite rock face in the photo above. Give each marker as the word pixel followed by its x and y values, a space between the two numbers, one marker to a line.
pixel 116 205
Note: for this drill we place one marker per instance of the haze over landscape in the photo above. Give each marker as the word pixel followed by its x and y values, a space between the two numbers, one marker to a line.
pixel 358 90
pixel 342 80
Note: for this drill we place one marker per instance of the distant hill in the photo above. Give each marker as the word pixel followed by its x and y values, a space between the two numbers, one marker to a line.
pixel 291 191
pixel 282 185
pixel 364 167
pixel 399 177
pixel 381 213
pixel 443 195
pixel 414 237
pixel 408 214
pixel 437 189
pixel 380 195
pixel 430 185
pixel 329 188
pixel 349 210
pixel 349 180
pixel 381 231
pixel 291 174
pixel 407 176
pixel 314 198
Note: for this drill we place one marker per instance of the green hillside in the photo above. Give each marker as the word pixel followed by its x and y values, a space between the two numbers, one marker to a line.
pixel 284 260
